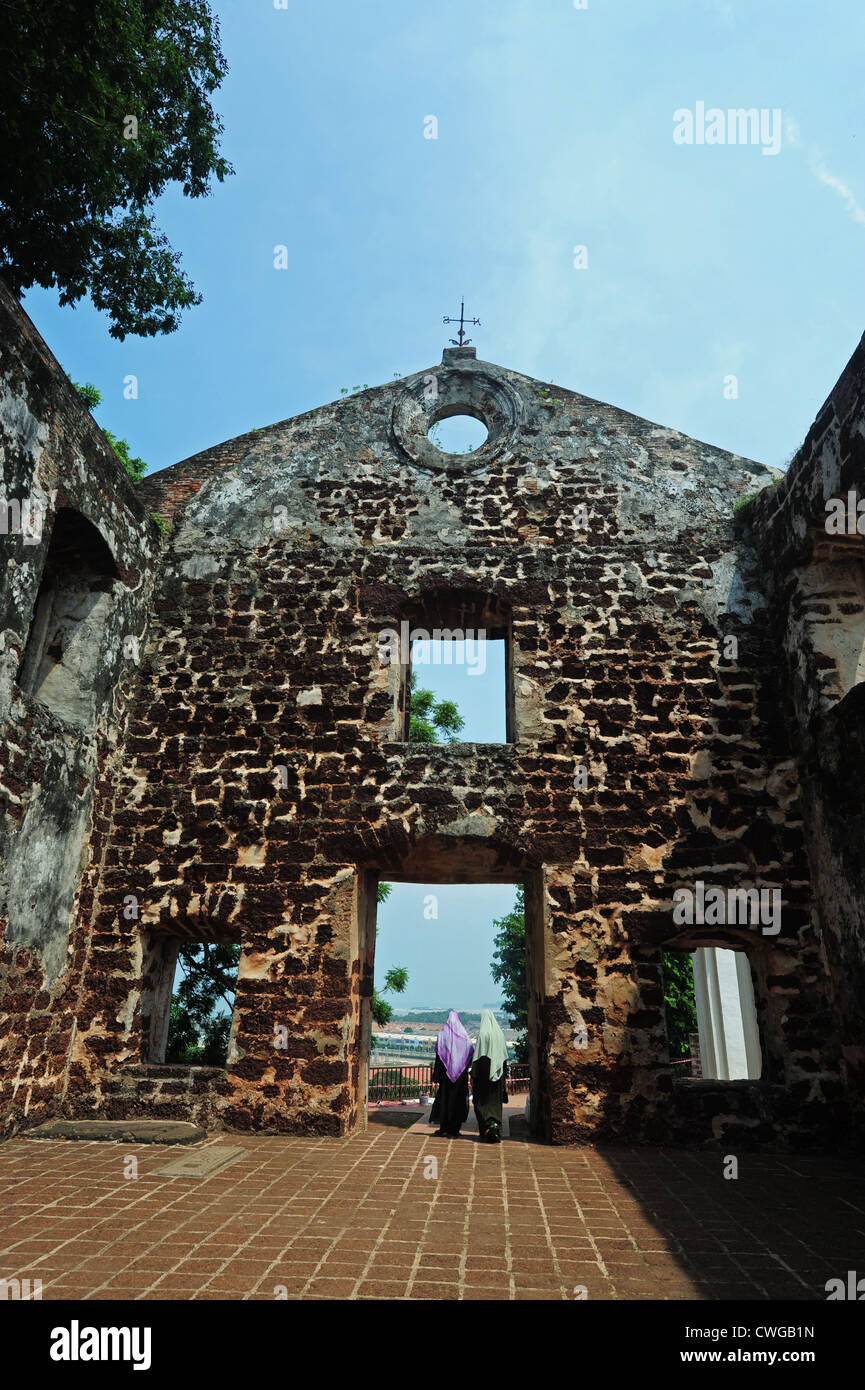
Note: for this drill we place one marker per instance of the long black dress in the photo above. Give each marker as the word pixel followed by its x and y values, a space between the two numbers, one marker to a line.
pixel 488 1096
pixel 451 1105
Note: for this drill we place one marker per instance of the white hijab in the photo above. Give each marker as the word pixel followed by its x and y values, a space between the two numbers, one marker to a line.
pixel 491 1043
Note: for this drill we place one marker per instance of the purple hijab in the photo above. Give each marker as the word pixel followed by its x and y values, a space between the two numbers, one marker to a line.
pixel 454 1046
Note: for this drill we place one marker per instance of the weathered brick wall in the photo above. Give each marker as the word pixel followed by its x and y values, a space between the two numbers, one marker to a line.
pixel 53 457
pixel 292 548
pixel 816 584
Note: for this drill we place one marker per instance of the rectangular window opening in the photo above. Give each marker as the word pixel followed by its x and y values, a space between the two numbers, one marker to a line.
pixel 188 1003
pixel 458 689
pixel 711 1014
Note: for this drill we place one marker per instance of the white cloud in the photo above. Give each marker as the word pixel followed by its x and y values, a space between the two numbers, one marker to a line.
pixel 818 168
pixel 856 212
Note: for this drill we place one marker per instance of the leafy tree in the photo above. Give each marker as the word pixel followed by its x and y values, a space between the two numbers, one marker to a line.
pixel 395 982
pixel 105 104
pixel 508 969
pixel 679 1000
pixel 381 1009
pixel 429 717
pixel 197 1034
pixel 396 978
pixel 92 396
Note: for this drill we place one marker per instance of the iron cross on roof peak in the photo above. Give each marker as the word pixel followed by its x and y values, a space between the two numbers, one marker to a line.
pixel 462 340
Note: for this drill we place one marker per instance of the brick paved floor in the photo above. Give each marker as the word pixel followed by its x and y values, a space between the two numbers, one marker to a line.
pixel 360 1218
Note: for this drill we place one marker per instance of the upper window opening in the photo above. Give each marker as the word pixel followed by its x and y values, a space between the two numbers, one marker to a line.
pixel 457 685
pixel 458 691
pixel 832 613
pixel 64 646
pixel 458 434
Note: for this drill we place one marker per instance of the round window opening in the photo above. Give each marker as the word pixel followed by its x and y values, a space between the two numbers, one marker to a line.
pixel 458 434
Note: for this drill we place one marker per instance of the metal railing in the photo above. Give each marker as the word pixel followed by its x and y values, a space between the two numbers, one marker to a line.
pixel 410 1082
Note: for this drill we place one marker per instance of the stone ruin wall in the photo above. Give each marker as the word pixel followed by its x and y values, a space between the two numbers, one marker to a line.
pixel 52 773
pixel 264 654
pixel 292 548
pixel 816 587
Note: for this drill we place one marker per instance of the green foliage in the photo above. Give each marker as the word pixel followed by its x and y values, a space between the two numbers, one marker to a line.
pixel 164 526
pixel 742 504
pixel 679 1001
pixel 429 717
pixel 508 969
pixel 136 468
pixel 77 181
pixel 396 978
pixel 197 1033
pixel 92 396
pixel 395 981
pixel 382 1012
pixel 390 1084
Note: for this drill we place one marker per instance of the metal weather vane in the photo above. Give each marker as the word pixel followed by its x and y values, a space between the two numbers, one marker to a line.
pixel 461 341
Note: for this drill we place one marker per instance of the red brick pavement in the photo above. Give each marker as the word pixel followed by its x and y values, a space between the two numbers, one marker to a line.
pixel 369 1217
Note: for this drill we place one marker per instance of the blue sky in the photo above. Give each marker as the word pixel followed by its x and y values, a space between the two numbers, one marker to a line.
pixel 448 957
pixel 555 130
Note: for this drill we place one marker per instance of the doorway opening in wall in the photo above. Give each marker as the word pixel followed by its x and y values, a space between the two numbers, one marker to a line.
pixel 457 664
pixel 711 1014
pixel 61 665
pixel 439 949
pixel 188 1001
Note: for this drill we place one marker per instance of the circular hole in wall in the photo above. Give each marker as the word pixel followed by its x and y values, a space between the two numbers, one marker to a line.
pixel 458 434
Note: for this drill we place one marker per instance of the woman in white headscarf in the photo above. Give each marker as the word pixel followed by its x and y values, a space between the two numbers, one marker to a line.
pixel 489 1078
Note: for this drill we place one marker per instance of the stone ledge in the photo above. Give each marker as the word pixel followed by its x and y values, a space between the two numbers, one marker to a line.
pixel 173 1071
pixel 120 1131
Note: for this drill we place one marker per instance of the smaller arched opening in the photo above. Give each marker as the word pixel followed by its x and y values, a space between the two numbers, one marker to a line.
pixel 711 1011
pixel 62 655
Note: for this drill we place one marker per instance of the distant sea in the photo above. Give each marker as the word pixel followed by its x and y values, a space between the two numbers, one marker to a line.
pixel 403 1008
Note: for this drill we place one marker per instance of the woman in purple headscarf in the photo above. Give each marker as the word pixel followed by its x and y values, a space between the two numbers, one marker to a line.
pixel 451 1070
